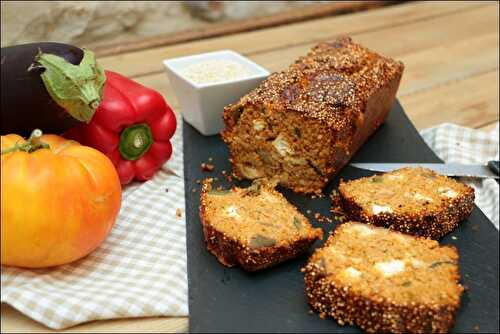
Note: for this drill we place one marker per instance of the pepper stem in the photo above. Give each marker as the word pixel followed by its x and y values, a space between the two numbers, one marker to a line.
pixel 135 141
pixel 31 145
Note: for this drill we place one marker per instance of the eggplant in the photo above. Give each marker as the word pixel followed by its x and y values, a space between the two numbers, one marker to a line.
pixel 39 89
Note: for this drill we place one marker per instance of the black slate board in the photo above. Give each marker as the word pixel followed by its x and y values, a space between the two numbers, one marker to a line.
pixel 230 300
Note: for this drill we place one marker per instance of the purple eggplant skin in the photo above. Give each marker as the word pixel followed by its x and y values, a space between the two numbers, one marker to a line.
pixel 26 104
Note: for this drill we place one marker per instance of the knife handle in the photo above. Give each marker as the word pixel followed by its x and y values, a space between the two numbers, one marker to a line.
pixel 494 166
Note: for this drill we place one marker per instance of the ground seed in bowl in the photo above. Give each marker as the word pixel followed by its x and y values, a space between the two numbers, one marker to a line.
pixel 217 70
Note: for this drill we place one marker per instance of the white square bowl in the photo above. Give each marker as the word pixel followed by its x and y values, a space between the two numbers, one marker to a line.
pixel 202 105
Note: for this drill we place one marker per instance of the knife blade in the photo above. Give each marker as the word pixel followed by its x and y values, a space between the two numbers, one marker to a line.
pixel 450 169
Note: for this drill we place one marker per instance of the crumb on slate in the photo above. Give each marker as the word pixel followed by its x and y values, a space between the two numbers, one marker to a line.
pixel 322 219
pixel 207 167
pixel 336 207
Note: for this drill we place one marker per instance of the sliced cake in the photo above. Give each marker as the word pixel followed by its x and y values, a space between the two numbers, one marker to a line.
pixel 384 281
pixel 302 125
pixel 253 227
pixel 416 201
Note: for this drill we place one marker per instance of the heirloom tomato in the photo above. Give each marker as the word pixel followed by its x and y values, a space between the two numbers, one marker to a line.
pixel 59 200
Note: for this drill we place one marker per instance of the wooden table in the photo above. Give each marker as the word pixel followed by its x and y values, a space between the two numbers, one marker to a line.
pixel 450 51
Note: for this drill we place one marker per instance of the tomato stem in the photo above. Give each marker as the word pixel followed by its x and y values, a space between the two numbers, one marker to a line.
pixel 32 144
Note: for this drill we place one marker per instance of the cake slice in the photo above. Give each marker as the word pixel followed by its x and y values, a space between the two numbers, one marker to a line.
pixel 253 227
pixel 384 281
pixel 416 201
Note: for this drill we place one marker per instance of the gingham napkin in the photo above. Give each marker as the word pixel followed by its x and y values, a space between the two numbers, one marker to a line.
pixel 454 143
pixel 140 270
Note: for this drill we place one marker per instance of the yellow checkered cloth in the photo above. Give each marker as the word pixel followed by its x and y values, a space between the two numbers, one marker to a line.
pixel 454 143
pixel 140 270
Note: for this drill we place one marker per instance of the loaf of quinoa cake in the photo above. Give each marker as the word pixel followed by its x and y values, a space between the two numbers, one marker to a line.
pixel 254 227
pixel 384 281
pixel 303 124
pixel 416 201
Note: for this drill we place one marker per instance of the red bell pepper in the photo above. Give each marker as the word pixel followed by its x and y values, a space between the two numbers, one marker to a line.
pixel 132 126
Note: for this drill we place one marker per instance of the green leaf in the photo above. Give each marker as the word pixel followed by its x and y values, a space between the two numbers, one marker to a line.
pixel 261 241
pixel 268 224
pixel 219 192
pixel 438 263
pixel 297 223
pixel 78 89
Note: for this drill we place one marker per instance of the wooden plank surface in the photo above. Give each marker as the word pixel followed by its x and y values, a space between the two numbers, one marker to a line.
pixel 411 38
pixel 280 38
pixel 450 51
pixel 489 127
pixel 238 26
pixel 458 51
pixel 15 322
pixel 471 102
